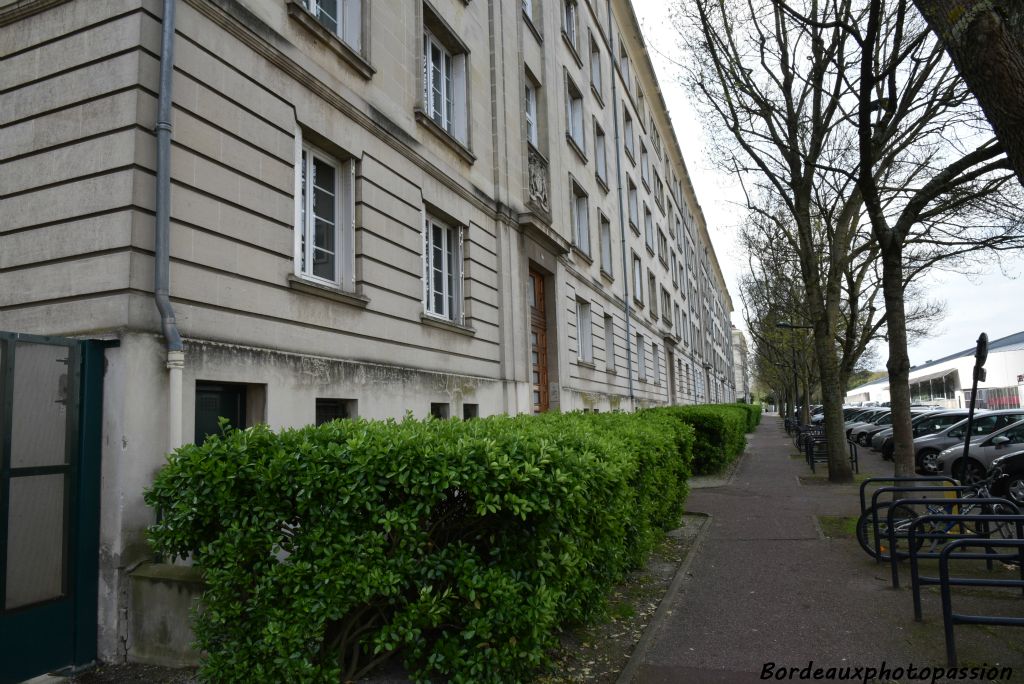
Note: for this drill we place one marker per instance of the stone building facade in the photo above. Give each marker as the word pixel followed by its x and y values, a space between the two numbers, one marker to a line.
pixel 457 207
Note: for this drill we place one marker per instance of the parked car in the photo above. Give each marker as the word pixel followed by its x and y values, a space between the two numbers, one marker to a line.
pixel 861 434
pixel 924 423
pixel 984 450
pixel 864 418
pixel 1009 481
pixel 928 447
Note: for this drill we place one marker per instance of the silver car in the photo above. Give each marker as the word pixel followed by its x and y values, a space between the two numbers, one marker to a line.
pixel 861 434
pixel 923 423
pixel 864 418
pixel 983 451
pixel 928 447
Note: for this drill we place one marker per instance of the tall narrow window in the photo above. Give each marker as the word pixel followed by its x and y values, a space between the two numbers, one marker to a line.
pixel 574 114
pixel 656 358
pixel 634 218
pixel 600 155
pixel 648 229
pixel 652 294
pixel 531 112
pixel 627 131
pixel 444 84
pixel 666 306
pixel 595 66
pixel 638 280
pixel 609 343
pixel 584 332
pixel 443 270
pixel 324 236
pixel 624 64
pixel 641 358
pixel 675 269
pixel 605 227
pixel 579 217
pixel 569 23
pixel 341 17
pixel 645 166
pixel 662 247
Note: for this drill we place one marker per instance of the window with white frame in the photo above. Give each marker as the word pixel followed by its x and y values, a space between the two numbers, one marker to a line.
pixel 624 64
pixel 570 25
pixel 579 218
pixel 666 306
pixel 662 247
pixel 652 294
pixel 656 358
pixel 584 332
pixel 638 280
pixel 574 114
pixel 648 229
pixel 344 18
pixel 675 269
pixel 640 110
pixel 645 165
pixel 641 358
pixel 600 154
pixel 324 235
pixel 444 81
pixel 596 80
pixel 530 105
pixel 634 218
pixel 677 319
pixel 605 230
pixel 627 131
pixel 609 343
pixel 442 269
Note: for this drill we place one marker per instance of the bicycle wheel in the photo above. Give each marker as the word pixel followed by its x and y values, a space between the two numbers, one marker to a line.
pixel 902 517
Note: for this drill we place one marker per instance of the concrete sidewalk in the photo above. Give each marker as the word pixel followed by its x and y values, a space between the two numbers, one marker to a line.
pixel 767 587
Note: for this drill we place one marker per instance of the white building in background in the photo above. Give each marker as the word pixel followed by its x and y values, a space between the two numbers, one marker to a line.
pixel 947 381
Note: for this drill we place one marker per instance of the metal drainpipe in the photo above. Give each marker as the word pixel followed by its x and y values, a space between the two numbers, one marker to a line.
pixel 161 287
pixel 626 273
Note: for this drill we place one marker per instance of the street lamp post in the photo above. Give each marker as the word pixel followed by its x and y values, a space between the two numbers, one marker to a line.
pixel 796 383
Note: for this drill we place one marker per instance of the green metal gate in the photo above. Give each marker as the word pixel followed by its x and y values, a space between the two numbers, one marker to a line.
pixel 51 396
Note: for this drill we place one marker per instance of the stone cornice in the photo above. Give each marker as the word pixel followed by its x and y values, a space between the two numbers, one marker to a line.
pixel 21 9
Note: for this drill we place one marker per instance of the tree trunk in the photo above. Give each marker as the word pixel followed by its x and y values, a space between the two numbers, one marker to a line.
pixel 899 360
pixel 987 46
pixel 832 395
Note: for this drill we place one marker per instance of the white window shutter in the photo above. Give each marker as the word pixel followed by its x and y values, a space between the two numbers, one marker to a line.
pixel 461 280
pixel 349 238
pixel 426 268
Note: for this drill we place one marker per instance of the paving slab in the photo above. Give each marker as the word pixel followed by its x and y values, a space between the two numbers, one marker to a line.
pixel 767 590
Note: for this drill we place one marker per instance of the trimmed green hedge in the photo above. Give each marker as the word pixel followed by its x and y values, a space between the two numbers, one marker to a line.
pixel 719 431
pixel 461 546
pixel 753 414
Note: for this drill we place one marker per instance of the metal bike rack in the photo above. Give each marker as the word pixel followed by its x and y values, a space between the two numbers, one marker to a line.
pixel 917 580
pixel 985 518
pixel 894 480
pixel 956 489
pixel 949 618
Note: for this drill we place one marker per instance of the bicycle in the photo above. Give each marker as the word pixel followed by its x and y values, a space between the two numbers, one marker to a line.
pixel 903 515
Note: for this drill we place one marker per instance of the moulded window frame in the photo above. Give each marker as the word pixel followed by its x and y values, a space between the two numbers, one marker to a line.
pixel 453 292
pixel 584 331
pixel 343 278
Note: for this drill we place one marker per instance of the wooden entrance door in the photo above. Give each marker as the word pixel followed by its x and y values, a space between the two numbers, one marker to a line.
pixel 538 344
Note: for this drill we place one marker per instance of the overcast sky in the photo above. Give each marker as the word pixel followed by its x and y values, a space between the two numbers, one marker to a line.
pixel 992 303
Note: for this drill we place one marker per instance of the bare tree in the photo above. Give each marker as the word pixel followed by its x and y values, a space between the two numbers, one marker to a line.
pixel 986 42
pixel 936 185
pixel 848 111
pixel 777 84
